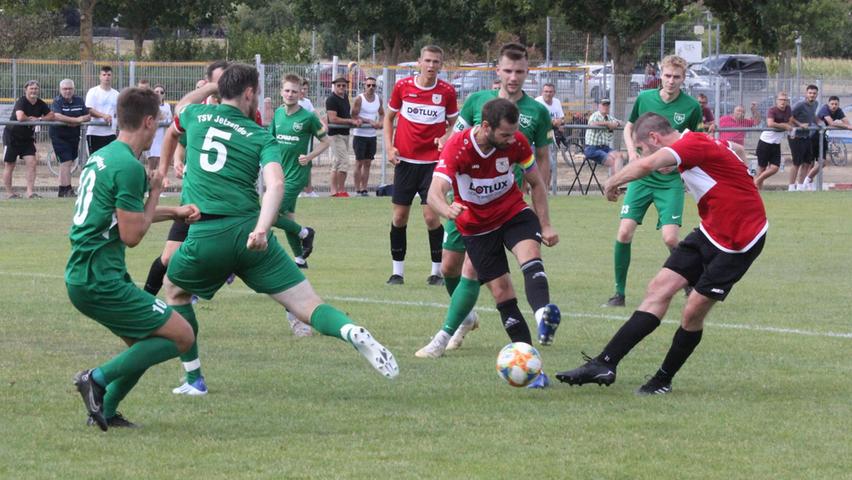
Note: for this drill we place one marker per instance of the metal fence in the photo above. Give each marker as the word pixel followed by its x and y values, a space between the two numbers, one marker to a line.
pixel 578 88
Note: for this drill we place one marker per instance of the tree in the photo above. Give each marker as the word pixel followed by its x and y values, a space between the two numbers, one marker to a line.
pixel 518 16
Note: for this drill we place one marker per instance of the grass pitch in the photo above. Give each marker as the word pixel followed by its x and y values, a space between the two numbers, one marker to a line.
pixel 766 394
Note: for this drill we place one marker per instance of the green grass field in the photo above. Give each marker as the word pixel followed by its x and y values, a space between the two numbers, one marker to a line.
pixel 765 396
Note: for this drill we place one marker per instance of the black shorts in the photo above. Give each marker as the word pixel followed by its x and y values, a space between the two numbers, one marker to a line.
pixel 815 146
pixel 709 270
pixel 487 252
pixel 178 232
pixel 64 150
pixel 15 150
pixel 410 179
pixel 768 153
pixel 800 149
pixel 364 147
pixel 97 142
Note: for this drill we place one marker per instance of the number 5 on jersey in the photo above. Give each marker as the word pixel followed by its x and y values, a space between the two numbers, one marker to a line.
pixel 211 144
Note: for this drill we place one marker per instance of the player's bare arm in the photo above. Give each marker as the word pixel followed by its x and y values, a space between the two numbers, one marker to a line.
pixel 538 193
pixel 273 179
pixel 639 168
pixel 197 96
pixel 437 199
pixel 132 226
pixel 167 151
pixel 739 150
pixel 316 152
pixel 387 133
pixel 628 142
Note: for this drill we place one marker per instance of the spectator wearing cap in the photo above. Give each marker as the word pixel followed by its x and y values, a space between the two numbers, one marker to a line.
pixel 339 114
pixel 599 141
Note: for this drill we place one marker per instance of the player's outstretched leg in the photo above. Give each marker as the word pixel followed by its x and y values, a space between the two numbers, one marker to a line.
pixel 300 239
pixel 193 384
pixel 460 311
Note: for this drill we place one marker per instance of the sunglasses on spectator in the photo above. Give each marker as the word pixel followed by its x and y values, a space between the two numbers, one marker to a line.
pixel 161 92
pixel 371 85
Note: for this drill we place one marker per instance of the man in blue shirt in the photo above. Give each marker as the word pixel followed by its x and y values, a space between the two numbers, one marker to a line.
pixel 70 109
pixel 832 116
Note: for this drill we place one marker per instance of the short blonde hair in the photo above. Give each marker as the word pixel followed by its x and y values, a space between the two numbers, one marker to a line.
pixel 674 61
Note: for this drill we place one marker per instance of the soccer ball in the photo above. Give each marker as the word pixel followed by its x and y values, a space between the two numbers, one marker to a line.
pixel 519 364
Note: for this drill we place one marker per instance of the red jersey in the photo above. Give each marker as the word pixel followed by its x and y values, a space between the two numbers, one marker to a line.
pixel 422 118
pixel 484 182
pixel 732 214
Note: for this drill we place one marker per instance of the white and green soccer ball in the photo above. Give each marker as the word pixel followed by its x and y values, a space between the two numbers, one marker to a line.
pixel 519 364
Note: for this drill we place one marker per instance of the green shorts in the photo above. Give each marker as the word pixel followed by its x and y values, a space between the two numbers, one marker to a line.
pixel 291 194
pixel 667 201
pixel 121 306
pixel 214 249
pixel 452 238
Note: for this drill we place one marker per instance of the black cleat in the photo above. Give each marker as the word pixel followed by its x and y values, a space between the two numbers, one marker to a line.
pixel 435 280
pixel 308 243
pixel 117 421
pixel 396 280
pixel 303 265
pixel 616 300
pixel 594 371
pixel 655 386
pixel 93 397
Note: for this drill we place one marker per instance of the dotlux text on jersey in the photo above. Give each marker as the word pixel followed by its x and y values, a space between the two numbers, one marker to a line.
pixel 208 117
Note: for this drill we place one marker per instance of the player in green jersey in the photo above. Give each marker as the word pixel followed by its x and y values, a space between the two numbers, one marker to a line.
pixel 225 151
pixel 663 188
pixel 295 127
pixel 459 275
pixel 110 214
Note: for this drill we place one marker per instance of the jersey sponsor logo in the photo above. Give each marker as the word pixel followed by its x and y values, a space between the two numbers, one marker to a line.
pixel 525 120
pixel 502 164
pixel 481 191
pixel 423 114
pixel 436 98
pixel 297 126
pixel 679 118
pixel 282 138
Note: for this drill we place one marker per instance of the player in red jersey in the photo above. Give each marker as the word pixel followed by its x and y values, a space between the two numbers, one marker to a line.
pixel 490 212
pixel 711 259
pixel 426 109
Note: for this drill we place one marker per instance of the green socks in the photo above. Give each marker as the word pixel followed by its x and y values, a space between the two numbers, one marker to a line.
pixel 291 230
pixel 451 283
pixel 461 303
pixel 622 264
pixel 135 360
pixel 328 321
pixel 190 360
pixel 117 390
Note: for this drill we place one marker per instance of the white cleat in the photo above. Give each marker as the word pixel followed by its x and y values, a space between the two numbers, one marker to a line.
pixel 379 357
pixel 436 347
pixel 195 389
pixel 299 328
pixel 470 323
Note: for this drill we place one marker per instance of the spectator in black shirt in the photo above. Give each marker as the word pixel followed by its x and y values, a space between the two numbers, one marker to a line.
pixel 20 139
pixel 338 112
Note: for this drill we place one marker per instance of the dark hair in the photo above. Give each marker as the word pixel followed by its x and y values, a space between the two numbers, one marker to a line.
pixel 305 82
pixel 548 85
pixel 134 104
pixel 812 87
pixel 106 68
pixel 499 109
pixel 371 78
pixel 223 64
pixel 651 122
pixel 236 79
pixel 513 51
pixel 833 98
pixel 701 95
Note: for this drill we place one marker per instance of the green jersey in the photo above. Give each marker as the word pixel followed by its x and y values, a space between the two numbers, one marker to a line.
pixel 294 134
pixel 683 113
pixel 113 178
pixel 225 151
pixel 534 118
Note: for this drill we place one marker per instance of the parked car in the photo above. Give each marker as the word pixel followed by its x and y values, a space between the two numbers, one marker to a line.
pixel 595 82
pixel 469 81
pixel 743 72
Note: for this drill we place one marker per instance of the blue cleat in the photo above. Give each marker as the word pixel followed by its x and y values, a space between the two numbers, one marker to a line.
pixel 195 389
pixel 541 381
pixel 550 318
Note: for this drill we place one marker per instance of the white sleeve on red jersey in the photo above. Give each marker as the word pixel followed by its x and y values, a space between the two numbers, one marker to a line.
pixel 395 102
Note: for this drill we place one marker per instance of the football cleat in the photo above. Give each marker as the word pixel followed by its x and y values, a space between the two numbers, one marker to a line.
pixel 308 243
pixel 395 280
pixel 435 280
pixel 303 265
pixel 299 328
pixel 195 389
pixel 616 300
pixel 470 323
pixel 93 397
pixel 379 357
pixel 541 381
pixel 116 421
pixel 593 371
pixel 550 318
pixel 436 347
pixel 655 386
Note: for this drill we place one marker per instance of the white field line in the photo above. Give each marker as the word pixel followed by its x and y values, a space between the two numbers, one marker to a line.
pixel 442 306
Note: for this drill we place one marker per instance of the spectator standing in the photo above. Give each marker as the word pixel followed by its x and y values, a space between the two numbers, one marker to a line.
pixel 599 146
pixel 779 119
pixel 707 119
pixel 651 78
pixel 308 105
pixel 165 116
pixel 801 143
pixel 832 116
pixel 557 117
pixel 70 109
pixel 368 108
pixel 738 120
pixel 20 139
pixel 104 99
pixel 339 112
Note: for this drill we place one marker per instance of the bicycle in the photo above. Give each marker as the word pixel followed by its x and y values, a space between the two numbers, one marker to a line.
pixel 53 163
pixel 837 152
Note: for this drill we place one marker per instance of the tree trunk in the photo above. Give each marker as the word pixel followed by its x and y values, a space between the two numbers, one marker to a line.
pixel 623 61
pixel 392 48
pixel 138 42
pixel 87 11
